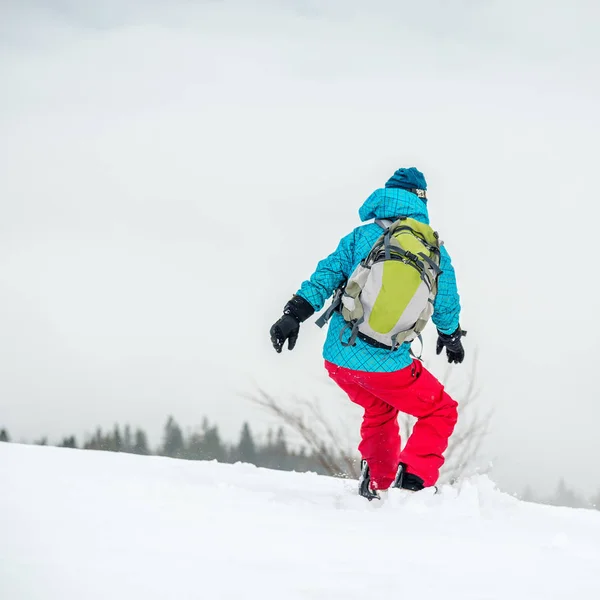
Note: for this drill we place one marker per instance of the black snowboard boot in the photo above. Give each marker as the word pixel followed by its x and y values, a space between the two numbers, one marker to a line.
pixel 364 483
pixel 407 481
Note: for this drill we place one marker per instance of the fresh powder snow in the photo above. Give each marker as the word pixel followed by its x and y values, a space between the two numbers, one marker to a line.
pixel 88 525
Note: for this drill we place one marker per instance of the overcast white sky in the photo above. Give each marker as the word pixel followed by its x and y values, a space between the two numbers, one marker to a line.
pixel 171 171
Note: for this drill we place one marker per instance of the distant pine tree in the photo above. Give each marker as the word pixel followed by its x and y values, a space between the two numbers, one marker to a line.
pixel 246 451
pixel 281 451
pixel 173 442
pixel 68 442
pixel 213 447
pixel 4 437
pixel 528 495
pixel 127 441
pixel 274 454
pixel 116 443
pixel 565 496
pixel 140 444
pixel 206 444
pixel 99 441
pixel 194 447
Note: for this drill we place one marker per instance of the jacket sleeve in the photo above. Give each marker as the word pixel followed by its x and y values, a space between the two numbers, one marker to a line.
pixel 446 306
pixel 330 273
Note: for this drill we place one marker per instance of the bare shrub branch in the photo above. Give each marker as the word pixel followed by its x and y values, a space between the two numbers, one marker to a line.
pixel 318 434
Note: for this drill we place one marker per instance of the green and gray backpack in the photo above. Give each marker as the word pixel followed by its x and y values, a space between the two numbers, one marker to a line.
pixel 389 297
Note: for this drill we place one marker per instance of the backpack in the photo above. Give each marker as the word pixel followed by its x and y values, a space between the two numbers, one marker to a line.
pixel 389 297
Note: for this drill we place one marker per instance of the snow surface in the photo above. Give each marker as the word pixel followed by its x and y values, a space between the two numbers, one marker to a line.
pixel 87 525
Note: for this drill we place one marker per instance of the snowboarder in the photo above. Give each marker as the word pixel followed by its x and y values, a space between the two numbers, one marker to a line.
pixel 371 362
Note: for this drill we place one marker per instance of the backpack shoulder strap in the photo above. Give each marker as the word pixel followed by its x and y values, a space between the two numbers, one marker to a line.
pixel 383 223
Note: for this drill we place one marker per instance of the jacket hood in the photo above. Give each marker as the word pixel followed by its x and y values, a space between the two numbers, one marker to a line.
pixel 387 203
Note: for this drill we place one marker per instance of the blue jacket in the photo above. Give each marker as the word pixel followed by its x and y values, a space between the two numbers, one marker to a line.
pixel 331 272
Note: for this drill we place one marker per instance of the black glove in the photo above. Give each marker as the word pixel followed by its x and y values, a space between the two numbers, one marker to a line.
pixel 454 347
pixel 295 312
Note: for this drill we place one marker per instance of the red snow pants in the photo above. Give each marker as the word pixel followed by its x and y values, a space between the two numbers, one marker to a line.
pixel 415 391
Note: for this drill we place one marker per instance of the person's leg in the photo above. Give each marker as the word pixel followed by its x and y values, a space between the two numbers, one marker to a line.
pixel 417 392
pixel 423 453
pixel 379 432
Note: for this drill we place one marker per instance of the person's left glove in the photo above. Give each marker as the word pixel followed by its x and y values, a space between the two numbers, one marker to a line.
pixel 287 328
pixel 453 344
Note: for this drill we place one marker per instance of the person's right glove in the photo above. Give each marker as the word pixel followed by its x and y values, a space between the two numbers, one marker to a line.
pixel 454 348
pixel 287 327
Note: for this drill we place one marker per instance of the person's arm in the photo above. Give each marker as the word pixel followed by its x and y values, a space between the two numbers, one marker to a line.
pixel 446 313
pixel 330 273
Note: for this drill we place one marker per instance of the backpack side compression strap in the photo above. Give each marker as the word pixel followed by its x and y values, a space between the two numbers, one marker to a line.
pixel 333 307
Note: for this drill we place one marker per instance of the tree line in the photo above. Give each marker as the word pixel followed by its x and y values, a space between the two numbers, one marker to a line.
pixel 272 452
pixel 562 495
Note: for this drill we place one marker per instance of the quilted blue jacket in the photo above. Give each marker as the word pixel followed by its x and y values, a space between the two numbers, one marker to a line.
pixel 331 272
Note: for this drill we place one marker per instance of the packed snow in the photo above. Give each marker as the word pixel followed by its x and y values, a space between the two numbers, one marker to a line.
pixel 88 525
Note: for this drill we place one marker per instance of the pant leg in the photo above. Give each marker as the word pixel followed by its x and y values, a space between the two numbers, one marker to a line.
pixel 423 453
pixel 379 432
pixel 417 392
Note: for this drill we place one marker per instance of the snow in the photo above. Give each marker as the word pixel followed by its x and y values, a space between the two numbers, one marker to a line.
pixel 87 525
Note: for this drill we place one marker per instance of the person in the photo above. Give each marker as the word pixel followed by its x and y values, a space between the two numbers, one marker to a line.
pixel 381 381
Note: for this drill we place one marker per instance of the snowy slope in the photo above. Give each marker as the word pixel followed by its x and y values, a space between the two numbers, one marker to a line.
pixel 86 525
